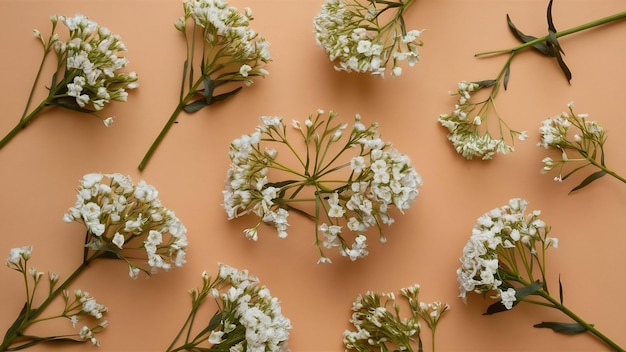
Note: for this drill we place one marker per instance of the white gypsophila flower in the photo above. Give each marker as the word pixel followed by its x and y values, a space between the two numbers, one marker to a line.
pixel 93 58
pixel 226 28
pixel 467 133
pixel 124 217
pixel 353 34
pixel 379 326
pixel 17 254
pixel 498 230
pixel 381 178
pixel 245 303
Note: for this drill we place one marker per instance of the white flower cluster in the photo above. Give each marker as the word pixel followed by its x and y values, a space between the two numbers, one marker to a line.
pixel 380 178
pixel 84 304
pixel 92 64
pixel 586 141
pixel 120 217
pixel 240 49
pixel 247 305
pixel 464 128
pixel 380 327
pixel 494 232
pixel 17 254
pixel 350 32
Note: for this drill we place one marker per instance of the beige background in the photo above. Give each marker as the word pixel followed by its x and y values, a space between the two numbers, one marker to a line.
pixel 40 169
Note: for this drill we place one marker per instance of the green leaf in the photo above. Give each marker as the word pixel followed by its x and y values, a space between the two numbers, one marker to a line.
pixel 564 328
pixel 223 96
pixel 560 290
pixel 37 340
pixel 209 87
pixel 549 15
pixel 182 81
pixel 522 292
pixel 196 105
pixel 215 321
pixel 14 328
pixel 528 38
pixel 71 104
pixel 486 83
pixel 507 75
pixel 594 176
pixel 496 308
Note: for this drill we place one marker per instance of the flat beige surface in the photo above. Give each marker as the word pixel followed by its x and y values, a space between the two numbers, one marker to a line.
pixel 41 167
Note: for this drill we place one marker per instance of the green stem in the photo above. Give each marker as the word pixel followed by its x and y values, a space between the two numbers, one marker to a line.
pixel 30 316
pixel 582 27
pixel 605 169
pixel 556 304
pixel 192 92
pixel 25 120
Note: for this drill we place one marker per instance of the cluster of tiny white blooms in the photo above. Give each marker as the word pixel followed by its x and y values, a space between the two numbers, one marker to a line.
pixel 89 334
pixel 464 125
pixel 588 138
pixel 93 64
pixel 121 216
pixel 353 33
pixel 18 257
pixel 380 178
pixel 246 305
pixel 237 48
pixel 495 232
pixel 379 326
pixel 82 304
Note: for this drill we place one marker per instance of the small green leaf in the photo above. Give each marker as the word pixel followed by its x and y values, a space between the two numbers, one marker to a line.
pixel 507 75
pixel 522 292
pixel 528 38
pixel 34 340
pixel 196 105
pixel 496 308
pixel 594 176
pixel 486 83
pixel 209 87
pixel 564 328
pixel 70 104
pixel 223 96
pixel 182 81
pixel 549 15
pixel 215 321
pixel 560 290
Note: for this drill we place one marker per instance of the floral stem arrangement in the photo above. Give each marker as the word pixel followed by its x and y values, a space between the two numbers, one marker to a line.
pixel 122 220
pixel 468 123
pixel 87 74
pixel 79 304
pixel 587 144
pixel 224 49
pixel 248 318
pixel 356 191
pixel 506 254
pixel 367 35
pixel 379 326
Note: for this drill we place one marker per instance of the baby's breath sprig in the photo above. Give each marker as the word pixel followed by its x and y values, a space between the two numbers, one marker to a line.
pixel 506 254
pixel 379 328
pixel 122 220
pixel 364 35
pixel 356 191
pixel 78 307
pixel 248 318
pixel 87 74
pixel 230 52
pixel 468 124
pixel 587 145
